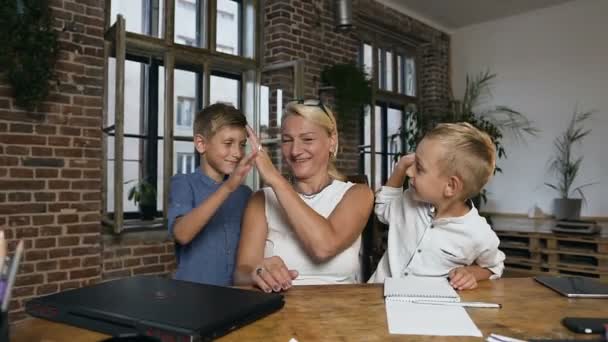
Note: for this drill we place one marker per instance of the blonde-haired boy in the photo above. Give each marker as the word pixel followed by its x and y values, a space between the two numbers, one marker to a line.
pixel 206 207
pixel 434 229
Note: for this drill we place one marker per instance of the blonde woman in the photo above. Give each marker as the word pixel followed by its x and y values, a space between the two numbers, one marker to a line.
pixel 307 231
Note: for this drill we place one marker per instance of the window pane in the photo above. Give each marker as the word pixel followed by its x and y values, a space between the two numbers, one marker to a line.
pixel 410 77
pixel 368 61
pixel 183 160
pixel 367 158
pixel 140 16
pixel 393 143
pixel 389 71
pixel 381 69
pixel 224 90
pixel 184 102
pixel 228 27
pixel 133 95
pixel 399 75
pixel 378 140
pixel 188 22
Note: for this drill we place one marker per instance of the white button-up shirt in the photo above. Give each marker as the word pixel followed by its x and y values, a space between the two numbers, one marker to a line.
pixel 422 246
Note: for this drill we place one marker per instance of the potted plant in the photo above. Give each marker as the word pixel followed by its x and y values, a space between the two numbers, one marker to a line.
pixel 496 121
pixel 352 87
pixel 143 194
pixel 565 167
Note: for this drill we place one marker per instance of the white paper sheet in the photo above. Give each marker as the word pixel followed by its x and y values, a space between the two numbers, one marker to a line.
pixel 424 319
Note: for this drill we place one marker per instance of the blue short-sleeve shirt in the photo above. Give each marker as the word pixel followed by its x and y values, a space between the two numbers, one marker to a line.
pixel 210 257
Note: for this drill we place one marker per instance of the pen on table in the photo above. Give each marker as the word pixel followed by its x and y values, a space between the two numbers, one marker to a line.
pixel 500 338
pixel 463 304
pixel 11 276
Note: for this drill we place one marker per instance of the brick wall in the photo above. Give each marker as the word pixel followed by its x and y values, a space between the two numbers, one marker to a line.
pixel 50 178
pixel 298 29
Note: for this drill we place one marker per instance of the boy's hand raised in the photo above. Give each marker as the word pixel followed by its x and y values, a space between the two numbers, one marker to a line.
pixel 242 169
pixel 268 172
pixel 406 161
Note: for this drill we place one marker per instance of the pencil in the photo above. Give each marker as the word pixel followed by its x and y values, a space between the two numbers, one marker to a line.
pixel 2 250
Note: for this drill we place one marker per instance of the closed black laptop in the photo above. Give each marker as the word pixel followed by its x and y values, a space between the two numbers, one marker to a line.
pixel 169 309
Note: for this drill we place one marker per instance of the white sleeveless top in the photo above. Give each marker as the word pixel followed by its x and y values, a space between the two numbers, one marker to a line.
pixel 344 268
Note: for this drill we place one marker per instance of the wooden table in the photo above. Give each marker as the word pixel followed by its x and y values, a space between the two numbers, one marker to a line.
pixel 357 313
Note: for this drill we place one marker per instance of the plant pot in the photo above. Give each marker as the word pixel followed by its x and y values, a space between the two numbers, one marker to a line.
pixel 567 208
pixel 147 212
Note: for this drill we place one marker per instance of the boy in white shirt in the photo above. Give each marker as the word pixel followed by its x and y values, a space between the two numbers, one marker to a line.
pixel 434 229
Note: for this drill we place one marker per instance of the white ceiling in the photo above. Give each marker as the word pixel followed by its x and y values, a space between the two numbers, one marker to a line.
pixel 450 15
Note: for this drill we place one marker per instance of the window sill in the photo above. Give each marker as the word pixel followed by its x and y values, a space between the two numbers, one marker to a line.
pixel 137 229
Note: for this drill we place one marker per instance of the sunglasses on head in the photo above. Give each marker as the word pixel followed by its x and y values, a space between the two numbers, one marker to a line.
pixel 313 103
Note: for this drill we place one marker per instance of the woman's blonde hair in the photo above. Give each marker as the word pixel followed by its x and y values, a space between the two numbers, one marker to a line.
pixel 317 113
pixel 469 153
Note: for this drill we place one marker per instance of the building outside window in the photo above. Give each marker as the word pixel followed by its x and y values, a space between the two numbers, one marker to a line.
pixel 185 111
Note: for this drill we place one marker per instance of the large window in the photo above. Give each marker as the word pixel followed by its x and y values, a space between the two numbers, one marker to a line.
pixel 384 135
pixel 145 90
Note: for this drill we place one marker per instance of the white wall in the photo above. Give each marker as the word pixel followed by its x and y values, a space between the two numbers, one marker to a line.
pixel 547 61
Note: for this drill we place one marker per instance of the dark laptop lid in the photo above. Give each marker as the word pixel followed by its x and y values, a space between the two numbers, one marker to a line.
pixel 575 286
pixel 186 307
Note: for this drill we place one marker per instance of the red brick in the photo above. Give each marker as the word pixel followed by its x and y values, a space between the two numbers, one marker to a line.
pixel 44 196
pixel 59 184
pixel 41 151
pixel 69 241
pixel 91 261
pixel 29 279
pixel 19 197
pixel 50 230
pixel 84 273
pixel 152 269
pixel 21 185
pixel 167 258
pixel 132 262
pixel 21 173
pixel 59 252
pixel 23 291
pixel 45 243
pixel 47 173
pixel 8 161
pixel 71 173
pixel 14 221
pixel 17 139
pixel 47 289
pixel 22 208
pixel 50 265
pixel 56 276
pixel 69 285
pixel 42 220
pixel 84 229
pixel 91 239
pixel 80 251
pixel 86 185
pixel 148 250
pixel 116 274
pixel 91 196
pixel 150 260
pixel 16 150
pixel 21 128
pixel 45 129
pixel 112 265
pixel 68 130
pixel 69 218
pixel 69 152
pixel 69 263
pixel 36 255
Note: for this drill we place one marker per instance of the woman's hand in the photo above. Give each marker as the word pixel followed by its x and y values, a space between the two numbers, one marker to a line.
pixel 272 275
pixel 268 172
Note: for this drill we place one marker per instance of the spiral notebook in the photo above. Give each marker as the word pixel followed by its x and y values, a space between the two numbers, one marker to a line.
pixel 410 289
pixel 405 316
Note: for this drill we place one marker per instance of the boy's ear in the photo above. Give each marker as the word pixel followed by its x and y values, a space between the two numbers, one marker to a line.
pixel 200 143
pixel 454 186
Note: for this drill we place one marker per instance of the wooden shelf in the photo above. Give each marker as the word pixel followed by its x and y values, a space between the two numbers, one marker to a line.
pixel 532 248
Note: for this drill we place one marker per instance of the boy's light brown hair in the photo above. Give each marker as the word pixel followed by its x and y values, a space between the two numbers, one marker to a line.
pixel 469 153
pixel 209 120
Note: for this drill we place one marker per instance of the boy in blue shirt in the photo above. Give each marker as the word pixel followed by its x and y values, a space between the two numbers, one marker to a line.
pixel 205 207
